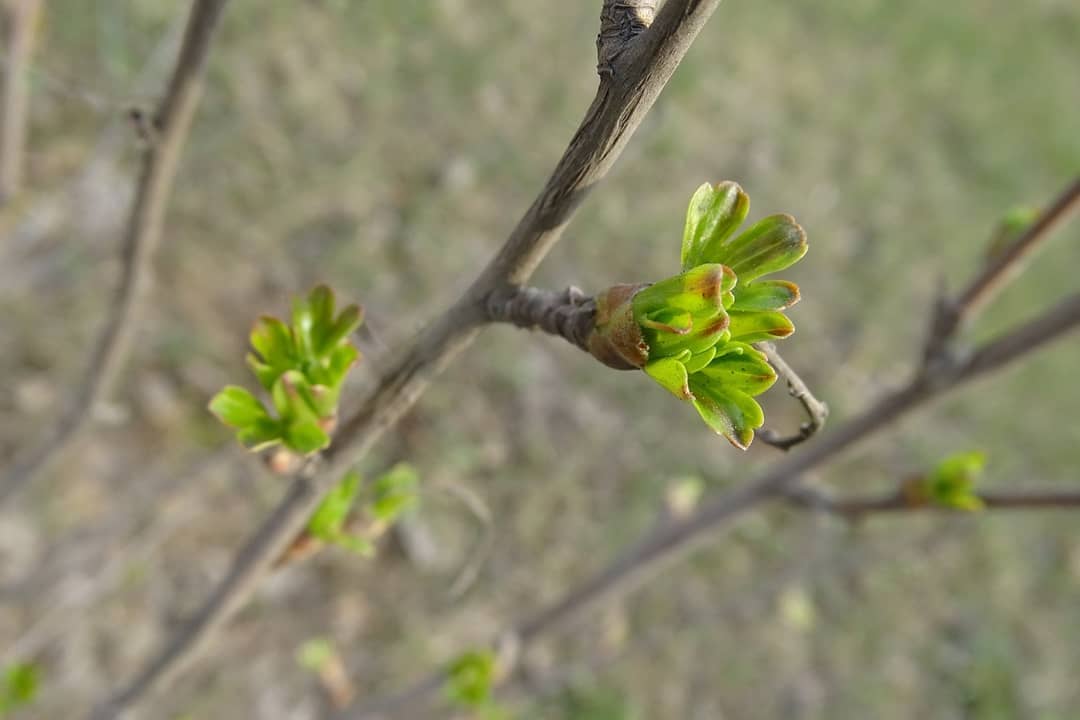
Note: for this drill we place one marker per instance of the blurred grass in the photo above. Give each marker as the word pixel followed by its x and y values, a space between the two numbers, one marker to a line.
pixel 387 148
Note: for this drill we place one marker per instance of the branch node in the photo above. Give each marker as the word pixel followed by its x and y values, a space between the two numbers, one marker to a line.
pixel 620 22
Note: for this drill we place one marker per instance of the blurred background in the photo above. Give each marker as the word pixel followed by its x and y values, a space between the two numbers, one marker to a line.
pixel 387 148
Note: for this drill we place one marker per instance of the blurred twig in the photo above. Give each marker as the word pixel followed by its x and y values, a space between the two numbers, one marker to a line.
pixel 901 500
pixel 172 122
pixel 673 540
pixel 18 26
pixel 631 81
pixel 816 411
pixel 950 313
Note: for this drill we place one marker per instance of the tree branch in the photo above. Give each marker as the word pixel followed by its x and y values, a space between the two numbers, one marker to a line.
pixel 816 411
pixel 855 508
pixel 625 95
pixel 569 314
pixel 171 123
pixel 950 314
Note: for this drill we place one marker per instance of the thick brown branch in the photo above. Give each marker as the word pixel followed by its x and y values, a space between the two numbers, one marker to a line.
pixel 142 237
pixel 950 314
pixel 624 97
pixel 816 411
pixel 18 27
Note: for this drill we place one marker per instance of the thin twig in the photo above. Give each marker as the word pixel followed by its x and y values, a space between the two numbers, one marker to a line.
pixel 18 27
pixel 855 508
pixel 950 314
pixel 159 163
pixel 625 95
pixel 675 539
pixel 816 411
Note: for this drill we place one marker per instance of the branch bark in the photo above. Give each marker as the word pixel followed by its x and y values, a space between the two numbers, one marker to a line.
pixel 18 26
pixel 171 124
pixel 637 75
pixel 950 314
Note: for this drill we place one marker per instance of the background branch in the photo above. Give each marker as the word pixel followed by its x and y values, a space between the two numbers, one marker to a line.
pixel 951 313
pixel 855 508
pixel 171 124
pixel 624 96
pixel 18 27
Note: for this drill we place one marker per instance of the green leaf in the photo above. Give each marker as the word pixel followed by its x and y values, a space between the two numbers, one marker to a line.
pixel 350 319
pixel 767 246
pixel 261 435
pixel 19 686
pixel 669 320
pixel 731 413
pixel 315 653
pixel 329 518
pixel 321 302
pixel 748 372
pixel 751 327
pixel 471 678
pixel 395 492
pixel 765 295
pixel 714 213
pixel 237 408
pixel 305 436
pixel 700 360
pixel 671 375
pixel 952 482
pixel 273 340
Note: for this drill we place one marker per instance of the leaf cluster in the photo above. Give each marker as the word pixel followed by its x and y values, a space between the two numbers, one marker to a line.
pixel 693 333
pixel 392 494
pixel 302 367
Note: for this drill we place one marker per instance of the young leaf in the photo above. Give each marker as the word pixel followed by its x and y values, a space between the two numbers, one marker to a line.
pixel 952 482
pixel 671 375
pixel 764 295
pixel 731 413
pixel 237 408
pixel 714 213
pixel 315 653
pixel 18 687
pixel 350 319
pixel 471 678
pixel 751 327
pixel 767 246
pixel 395 492
pixel 329 518
pixel 748 372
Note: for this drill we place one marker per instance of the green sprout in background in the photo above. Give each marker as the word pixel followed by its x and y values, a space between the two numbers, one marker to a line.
pixel 302 367
pixel 692 333
pixel 471 679
pixel 392 493
pixel 952 483
pixel 18 687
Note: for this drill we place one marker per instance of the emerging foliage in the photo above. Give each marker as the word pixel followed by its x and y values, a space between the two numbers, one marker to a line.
pixel 18 687
pixel 952 483
pixel 692 333
pixel 471 679
pixel 391 494
pixel 303 367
